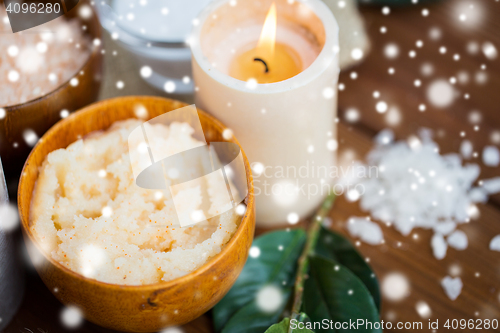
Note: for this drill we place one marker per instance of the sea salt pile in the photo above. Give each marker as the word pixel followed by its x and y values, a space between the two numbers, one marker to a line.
pixel 416 187
pixel 37 61
pixel 368 231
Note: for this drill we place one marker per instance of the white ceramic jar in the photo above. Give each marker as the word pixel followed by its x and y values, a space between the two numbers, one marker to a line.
pixel 155 32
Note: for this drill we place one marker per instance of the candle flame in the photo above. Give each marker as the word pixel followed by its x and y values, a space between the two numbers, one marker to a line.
pixel 267 40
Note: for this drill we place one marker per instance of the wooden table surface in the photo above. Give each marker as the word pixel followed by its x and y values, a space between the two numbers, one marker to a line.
pixel 478 267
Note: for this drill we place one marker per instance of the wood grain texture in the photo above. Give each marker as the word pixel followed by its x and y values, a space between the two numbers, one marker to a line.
pixel 405 26
pixel 412 257
pixel 41 113
pixel 135 308
pixel 477 266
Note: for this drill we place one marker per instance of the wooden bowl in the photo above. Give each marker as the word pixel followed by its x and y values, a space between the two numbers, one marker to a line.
pixel 145 308
pixel 41 113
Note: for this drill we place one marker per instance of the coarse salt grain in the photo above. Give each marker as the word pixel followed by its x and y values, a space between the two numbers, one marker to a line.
pixel 439 246
pixel 368 231
pixel 458 240
pixel 452 287
pixel 395 286
pixel 491 156
pixel 71 317
pixel 466 149
pixel 495 243
pixel 492 185
pixel 445 228
pixel 478 194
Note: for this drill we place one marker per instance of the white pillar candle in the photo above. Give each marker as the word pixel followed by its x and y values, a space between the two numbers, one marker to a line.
pixel 286 128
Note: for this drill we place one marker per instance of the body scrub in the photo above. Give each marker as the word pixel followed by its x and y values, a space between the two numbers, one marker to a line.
pixel 89 214
pixel 37 61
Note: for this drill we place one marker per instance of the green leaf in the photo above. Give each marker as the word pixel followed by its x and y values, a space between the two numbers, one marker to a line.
pixel 333 246
pixel 250 319
pixel 304 318
pixel 283 326
pixel 276 266
pixel 334 293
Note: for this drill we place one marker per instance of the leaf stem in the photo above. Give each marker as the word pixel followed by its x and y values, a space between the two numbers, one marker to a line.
pixel 303 262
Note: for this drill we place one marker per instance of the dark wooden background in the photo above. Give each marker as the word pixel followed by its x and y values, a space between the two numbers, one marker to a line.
pixel 478 267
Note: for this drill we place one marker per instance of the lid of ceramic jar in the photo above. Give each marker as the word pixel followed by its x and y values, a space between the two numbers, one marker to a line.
pixel 157 20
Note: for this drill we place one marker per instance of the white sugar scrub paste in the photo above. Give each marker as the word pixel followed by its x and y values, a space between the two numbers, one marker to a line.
pixel 39 60
pixel 88 214
pixel 416 187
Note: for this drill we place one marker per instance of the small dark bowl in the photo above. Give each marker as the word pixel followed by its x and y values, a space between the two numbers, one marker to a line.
pixel 41 113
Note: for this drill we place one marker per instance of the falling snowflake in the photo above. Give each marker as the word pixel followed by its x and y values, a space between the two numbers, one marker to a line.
pixel 107 211
pixel 169 86
pixel 146 71
pixel 13 76
pixel 395 286
pixel 332 145
pixel 241 209
pixel 140 111
pixel 352 115
pixel 13 50
pixel 381 107
pixel 254 252
pixel 440 93
pixel 172 330
pixel 328 93
pixel 356 53
pixel 292 218
pixel 71 317
pixel 391 50
pixel 423 309
pixel 9 218
pixel 85 11
pixel 251 84
pixel 227 134
pixel 490 50
pixel 41 47
pixel 257 168
pixel 269 299
pixel 30 137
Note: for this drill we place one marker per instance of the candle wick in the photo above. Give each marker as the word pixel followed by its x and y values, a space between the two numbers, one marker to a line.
pixel 262 61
